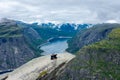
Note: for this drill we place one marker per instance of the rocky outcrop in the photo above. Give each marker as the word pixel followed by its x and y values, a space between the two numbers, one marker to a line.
pixel 40 68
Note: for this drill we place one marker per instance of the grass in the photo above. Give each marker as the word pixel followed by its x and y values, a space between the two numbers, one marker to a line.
pixel 105 49
pixel 111 43
pixel 42 73
pixel 11 31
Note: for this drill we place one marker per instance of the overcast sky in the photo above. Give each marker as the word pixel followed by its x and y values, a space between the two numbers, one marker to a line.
pixel 78 11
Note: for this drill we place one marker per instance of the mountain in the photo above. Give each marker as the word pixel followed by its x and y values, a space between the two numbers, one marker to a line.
pixel 97 50
pixel 50 30
pixel 14 50
pixel 98 60
pixel 66 26
pixel 90 35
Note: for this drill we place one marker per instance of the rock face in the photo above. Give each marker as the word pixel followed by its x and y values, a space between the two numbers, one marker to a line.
pixel 14 50
pixel 39 67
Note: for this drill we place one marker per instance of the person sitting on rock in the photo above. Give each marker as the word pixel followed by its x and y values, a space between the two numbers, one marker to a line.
pixel 53 56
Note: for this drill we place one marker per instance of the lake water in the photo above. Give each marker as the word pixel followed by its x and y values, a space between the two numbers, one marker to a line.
pixel 56 46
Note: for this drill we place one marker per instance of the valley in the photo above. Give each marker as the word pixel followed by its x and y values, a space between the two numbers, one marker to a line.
pixel 20 42
pixel 83 52
pixel 59 39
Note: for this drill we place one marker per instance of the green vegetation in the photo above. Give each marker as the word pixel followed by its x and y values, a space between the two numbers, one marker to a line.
pixel 46 33
pixel 98 61
pixel 34 47
pixel 43 73
pixel 88 36
pixel 11 31
pixel 111 43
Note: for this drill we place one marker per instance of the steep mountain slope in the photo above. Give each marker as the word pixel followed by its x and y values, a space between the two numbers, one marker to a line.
pixel 89 36
pixel 13 49
pixel 98 61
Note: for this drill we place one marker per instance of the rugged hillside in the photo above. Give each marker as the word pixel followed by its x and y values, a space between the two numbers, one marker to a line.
pixel 13 49
pixel 98 61
pixel 89 36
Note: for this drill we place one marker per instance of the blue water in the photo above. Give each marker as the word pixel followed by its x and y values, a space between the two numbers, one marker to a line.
pixel 6 71
pixel 58 46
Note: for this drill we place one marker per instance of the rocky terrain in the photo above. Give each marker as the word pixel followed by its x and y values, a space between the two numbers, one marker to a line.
pixel 38 68
pixel 13 49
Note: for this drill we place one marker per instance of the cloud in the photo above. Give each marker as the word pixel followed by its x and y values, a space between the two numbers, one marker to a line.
pixel 111 21
pixel 79 11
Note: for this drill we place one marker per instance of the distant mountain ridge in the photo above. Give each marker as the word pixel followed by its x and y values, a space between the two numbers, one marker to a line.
pixel 68 26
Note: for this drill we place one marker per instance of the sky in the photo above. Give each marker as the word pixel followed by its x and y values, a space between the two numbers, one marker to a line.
pixel 61 11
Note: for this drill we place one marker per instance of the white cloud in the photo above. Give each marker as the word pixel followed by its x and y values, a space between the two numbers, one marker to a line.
pixel 111 21
pixel 80 11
